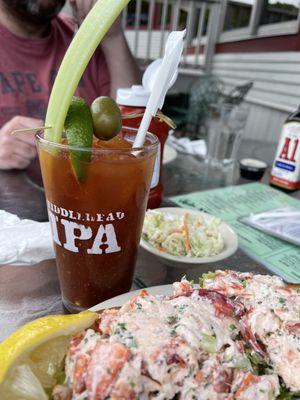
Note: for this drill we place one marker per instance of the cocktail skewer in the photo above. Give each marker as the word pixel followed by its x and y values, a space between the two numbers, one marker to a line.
pixel 25 130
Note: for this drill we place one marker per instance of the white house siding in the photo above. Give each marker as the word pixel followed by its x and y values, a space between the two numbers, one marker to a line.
pixel 264 123
pixel 276 89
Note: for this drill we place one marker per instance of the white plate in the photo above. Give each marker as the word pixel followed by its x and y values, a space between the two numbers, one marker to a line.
pixel 118 301
pixel 169 154
pixel 229 236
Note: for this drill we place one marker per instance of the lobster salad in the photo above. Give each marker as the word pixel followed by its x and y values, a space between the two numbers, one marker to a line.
pixel 234 336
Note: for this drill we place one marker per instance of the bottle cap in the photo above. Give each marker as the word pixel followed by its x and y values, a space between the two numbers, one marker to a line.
pixel 135 96
pixel 138 95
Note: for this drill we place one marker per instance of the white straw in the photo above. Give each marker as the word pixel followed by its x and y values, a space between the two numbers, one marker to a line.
pixel 168 68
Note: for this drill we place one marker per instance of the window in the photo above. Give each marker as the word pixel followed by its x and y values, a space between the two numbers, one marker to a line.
pixel 131 12
pixel 238 14
pixel 276 11
pixel 245 19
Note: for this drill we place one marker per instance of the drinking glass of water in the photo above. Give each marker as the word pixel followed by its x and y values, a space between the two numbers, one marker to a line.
pixel 225 127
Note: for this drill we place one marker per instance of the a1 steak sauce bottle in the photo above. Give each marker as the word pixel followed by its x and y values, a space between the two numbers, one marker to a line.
pixel 286 167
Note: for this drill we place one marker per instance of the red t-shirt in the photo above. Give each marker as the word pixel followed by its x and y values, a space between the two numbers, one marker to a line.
pixel 28 68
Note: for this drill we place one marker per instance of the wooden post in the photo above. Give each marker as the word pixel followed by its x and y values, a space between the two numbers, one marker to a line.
pixel 212 35
pixel 163 27
pixel 190 28
pixel 175 15
pixel 157 16
pixel 138 8
pixel 223 6
pixel 256 13
pixel 149 29
pixel 298 29
pixel 200 33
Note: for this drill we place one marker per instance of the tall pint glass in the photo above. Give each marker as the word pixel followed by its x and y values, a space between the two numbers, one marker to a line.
pixel 97 220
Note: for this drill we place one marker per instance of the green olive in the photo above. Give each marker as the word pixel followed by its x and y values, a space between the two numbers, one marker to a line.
pixel 107 118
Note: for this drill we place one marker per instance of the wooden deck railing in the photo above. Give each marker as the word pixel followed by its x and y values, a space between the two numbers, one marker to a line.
pixel 147 23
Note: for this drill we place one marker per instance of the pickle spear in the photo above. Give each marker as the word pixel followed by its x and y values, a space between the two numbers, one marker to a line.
pixel 79 131
pixel 80 51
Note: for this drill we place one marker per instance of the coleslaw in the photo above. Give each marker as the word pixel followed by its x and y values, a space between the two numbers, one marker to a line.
pixel 183 235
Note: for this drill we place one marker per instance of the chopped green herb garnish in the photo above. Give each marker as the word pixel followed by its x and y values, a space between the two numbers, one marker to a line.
pixel 182 308
pixel 258 364
pixel 172 319
pixel 120 328
pixel 173 332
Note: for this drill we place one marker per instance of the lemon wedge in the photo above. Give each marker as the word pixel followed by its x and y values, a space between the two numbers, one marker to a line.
pixel 32 357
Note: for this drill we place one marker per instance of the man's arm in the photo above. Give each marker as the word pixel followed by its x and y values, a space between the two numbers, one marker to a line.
pixel 122 66
pixel 17 151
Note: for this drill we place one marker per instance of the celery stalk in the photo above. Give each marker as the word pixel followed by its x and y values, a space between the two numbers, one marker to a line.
pixel 80 51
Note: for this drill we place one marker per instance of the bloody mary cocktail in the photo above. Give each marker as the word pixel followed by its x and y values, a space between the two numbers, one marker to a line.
pixel 97 221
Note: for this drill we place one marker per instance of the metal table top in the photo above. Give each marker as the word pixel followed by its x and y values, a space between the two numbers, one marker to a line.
pixel 183 175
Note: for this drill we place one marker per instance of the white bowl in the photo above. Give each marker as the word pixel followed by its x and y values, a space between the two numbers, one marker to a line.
pixel 229 236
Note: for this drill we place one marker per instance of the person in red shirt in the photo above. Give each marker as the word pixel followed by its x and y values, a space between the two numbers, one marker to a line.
pixel 34 39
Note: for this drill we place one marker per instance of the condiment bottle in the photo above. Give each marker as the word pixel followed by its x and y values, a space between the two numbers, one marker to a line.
pixel 133 101
pixel 286 168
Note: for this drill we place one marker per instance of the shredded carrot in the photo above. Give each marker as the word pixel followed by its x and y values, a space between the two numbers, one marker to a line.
pixel 186 232
pixel 159 248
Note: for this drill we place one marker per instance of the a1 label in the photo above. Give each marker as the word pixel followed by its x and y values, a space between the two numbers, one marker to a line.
pixel 286 167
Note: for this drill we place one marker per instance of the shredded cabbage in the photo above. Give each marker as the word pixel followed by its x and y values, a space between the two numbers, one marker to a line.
pixel 183 235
